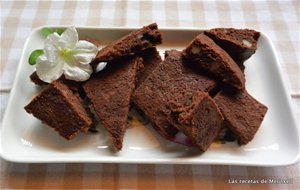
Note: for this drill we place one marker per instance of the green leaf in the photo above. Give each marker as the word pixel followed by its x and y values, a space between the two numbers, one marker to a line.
pixel 34 55
pixel 46 32
pixel 59 31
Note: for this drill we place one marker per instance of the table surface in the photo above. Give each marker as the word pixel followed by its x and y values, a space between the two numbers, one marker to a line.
pixel 278 19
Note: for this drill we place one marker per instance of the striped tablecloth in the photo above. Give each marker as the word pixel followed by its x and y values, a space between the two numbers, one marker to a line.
pixel 279 19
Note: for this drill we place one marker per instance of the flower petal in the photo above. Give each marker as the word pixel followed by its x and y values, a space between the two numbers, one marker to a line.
pixel 48 71
pixel 53 39
pixel 100 66
pixel 51 47
pixel 77 72
pixel 84 52
pixel 69 38
pixel 84 58
pixel 86 46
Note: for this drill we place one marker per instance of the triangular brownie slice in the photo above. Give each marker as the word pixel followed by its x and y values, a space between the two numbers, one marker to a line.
pixel 208 56
pixel 240 44
pixel 109 92
pixel 131 44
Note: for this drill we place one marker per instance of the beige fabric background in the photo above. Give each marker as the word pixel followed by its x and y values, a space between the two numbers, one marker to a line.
pixel 278 19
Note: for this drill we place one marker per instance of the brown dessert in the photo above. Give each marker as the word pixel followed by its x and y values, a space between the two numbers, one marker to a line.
pixel 109 92
pixel 240 44
pixel 171 78
pixel 151 59
pixel 207 55
pixel 131 44
pixel 59 108
pixel 242 113
pixel 197 116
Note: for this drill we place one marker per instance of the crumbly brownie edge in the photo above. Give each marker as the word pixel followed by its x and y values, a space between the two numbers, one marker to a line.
pixel 202 50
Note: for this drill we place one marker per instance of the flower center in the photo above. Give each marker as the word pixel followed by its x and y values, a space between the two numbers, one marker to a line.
pixel 66 55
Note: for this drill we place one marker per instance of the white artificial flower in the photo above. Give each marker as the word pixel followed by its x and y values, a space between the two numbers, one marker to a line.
pixel 66 55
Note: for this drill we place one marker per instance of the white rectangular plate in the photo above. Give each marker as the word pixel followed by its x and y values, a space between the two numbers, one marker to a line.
pixel 25 139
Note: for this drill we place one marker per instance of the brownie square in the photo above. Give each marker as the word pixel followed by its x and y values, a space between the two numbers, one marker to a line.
pixel 59 108
pixel 243 114
pixel 197 116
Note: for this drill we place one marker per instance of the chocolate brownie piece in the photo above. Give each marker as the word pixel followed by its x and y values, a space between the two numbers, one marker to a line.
pixel 240 44
pixel 168 79
pixel 207 55
pixel 131 44
pixel 109 92
pixel 197 116
pixel 243 114
pixel 151 59
pixel 59 108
